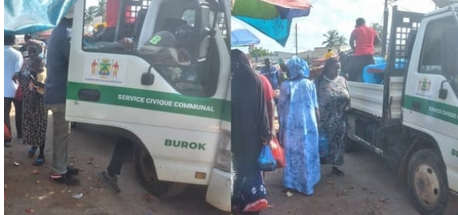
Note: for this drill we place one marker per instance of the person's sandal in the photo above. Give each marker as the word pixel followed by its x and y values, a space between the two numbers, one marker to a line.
pixel 32 151
pixel 66 179
pixel 336 171
pixel 72 170
pixel 39 161
pixel 110 182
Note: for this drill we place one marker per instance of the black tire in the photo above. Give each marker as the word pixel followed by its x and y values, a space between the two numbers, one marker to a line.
pixel 427 182
pixel 148 176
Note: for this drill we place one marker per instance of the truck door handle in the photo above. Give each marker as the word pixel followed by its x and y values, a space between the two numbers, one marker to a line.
pixel 89 95
pixel 416 106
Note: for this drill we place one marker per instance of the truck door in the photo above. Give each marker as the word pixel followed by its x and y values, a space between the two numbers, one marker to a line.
pixel 431 93
pixel 160 88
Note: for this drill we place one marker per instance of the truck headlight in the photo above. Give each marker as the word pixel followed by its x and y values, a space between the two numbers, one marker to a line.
pixel 223 159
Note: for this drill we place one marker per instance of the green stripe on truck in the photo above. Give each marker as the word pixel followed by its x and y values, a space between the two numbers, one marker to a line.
pixel 154 100
pixel 434 109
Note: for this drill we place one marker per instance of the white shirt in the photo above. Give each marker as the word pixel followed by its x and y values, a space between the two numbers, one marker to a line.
pixel 12 63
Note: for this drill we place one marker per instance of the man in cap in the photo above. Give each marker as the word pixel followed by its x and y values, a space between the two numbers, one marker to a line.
pixel 362 41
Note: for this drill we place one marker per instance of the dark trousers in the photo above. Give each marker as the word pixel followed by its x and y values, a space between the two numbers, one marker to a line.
pixel 18 114
pixel 357 65
pixel 123 145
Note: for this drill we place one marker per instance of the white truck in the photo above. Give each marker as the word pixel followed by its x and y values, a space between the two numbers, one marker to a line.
pixel 174 102
pixel 411 119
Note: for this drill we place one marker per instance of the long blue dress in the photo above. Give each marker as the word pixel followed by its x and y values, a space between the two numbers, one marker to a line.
pixel 296 106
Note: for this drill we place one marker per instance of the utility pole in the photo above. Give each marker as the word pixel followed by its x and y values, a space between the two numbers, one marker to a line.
pixel 296 42
pixel 385 28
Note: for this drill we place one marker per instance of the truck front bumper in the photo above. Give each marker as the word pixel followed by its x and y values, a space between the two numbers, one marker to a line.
pixel 219 190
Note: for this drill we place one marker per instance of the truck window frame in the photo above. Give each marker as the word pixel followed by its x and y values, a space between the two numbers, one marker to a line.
pixel 204 78
pixel 434 47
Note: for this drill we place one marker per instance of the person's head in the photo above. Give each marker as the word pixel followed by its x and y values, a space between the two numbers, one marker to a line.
pixel 283 67
pixel 329 50
pixel 331 67
pixel 163 39
pixel 359 22
pixel 27 37
pixel 9 40
pixel 185 37
pixel 297 68
pixel 34 48
pixel 239 62
pixel 267 62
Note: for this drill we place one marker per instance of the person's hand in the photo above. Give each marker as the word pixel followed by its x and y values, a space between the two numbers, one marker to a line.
pixel 265 141
pixel 127 43
pixel 16 77
pixel 31 85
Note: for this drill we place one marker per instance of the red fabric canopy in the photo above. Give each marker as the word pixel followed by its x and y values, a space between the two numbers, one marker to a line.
pixel 292 4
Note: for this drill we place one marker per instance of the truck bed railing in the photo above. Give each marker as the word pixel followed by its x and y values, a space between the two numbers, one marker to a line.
pixel 402 24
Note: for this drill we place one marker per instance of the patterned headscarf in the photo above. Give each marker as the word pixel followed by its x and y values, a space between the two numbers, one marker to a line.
pixel 34 47
pixel 298 68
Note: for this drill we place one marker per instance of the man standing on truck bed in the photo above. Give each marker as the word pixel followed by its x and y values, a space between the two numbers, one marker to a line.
pixel 362 41
pixel 55 97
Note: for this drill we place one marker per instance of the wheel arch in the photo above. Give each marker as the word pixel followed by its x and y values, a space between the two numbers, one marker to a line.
pixel 418 140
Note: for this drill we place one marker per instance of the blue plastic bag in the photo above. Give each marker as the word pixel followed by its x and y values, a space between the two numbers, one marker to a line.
pixel 323 145
pixel 266 159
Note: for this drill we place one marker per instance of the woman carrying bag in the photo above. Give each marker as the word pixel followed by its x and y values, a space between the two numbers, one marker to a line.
pixel 250 131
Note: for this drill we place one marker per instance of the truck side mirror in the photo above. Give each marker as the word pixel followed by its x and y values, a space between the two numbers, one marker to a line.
pixel 443 92
pixel 147 78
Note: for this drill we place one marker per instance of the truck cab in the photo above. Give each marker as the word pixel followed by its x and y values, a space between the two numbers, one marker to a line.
pixel 159 73
pixel 411 119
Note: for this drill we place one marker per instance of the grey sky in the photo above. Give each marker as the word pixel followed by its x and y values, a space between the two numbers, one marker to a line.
pixel 336 14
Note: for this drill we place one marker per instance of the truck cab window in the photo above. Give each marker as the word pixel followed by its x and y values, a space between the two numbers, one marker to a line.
pixel 450 56
pixel 166 37
pixel 433 49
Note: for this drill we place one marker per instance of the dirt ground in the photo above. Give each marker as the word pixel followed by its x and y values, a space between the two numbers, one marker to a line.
pixel 368 188
pixel 29 191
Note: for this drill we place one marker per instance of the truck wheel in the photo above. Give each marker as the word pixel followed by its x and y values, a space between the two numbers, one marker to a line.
pixel 148 176
pixel 427 182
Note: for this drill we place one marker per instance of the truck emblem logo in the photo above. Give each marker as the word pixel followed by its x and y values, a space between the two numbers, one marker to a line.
pixel 423 87
pixel 104 70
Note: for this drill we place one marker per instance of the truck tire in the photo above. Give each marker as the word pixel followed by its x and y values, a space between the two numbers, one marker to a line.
pixel 427 182
pixel 148 176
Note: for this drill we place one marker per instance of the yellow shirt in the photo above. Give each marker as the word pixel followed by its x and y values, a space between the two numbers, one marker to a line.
pixel 329 55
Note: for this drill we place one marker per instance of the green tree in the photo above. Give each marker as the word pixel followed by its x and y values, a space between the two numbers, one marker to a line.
pixel 332 39
pixel 342 41
pixel 95 11
pixel 379 29
pixel 259 52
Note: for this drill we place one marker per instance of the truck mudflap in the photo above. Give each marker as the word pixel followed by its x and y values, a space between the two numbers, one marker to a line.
pixel 219 190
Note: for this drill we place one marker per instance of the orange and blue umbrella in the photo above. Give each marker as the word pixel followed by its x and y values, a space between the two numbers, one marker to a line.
pixel 271 17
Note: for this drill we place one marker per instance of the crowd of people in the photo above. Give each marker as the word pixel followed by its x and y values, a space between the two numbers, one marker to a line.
pixel 36 87
pixel 309 108
pixel 306 109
